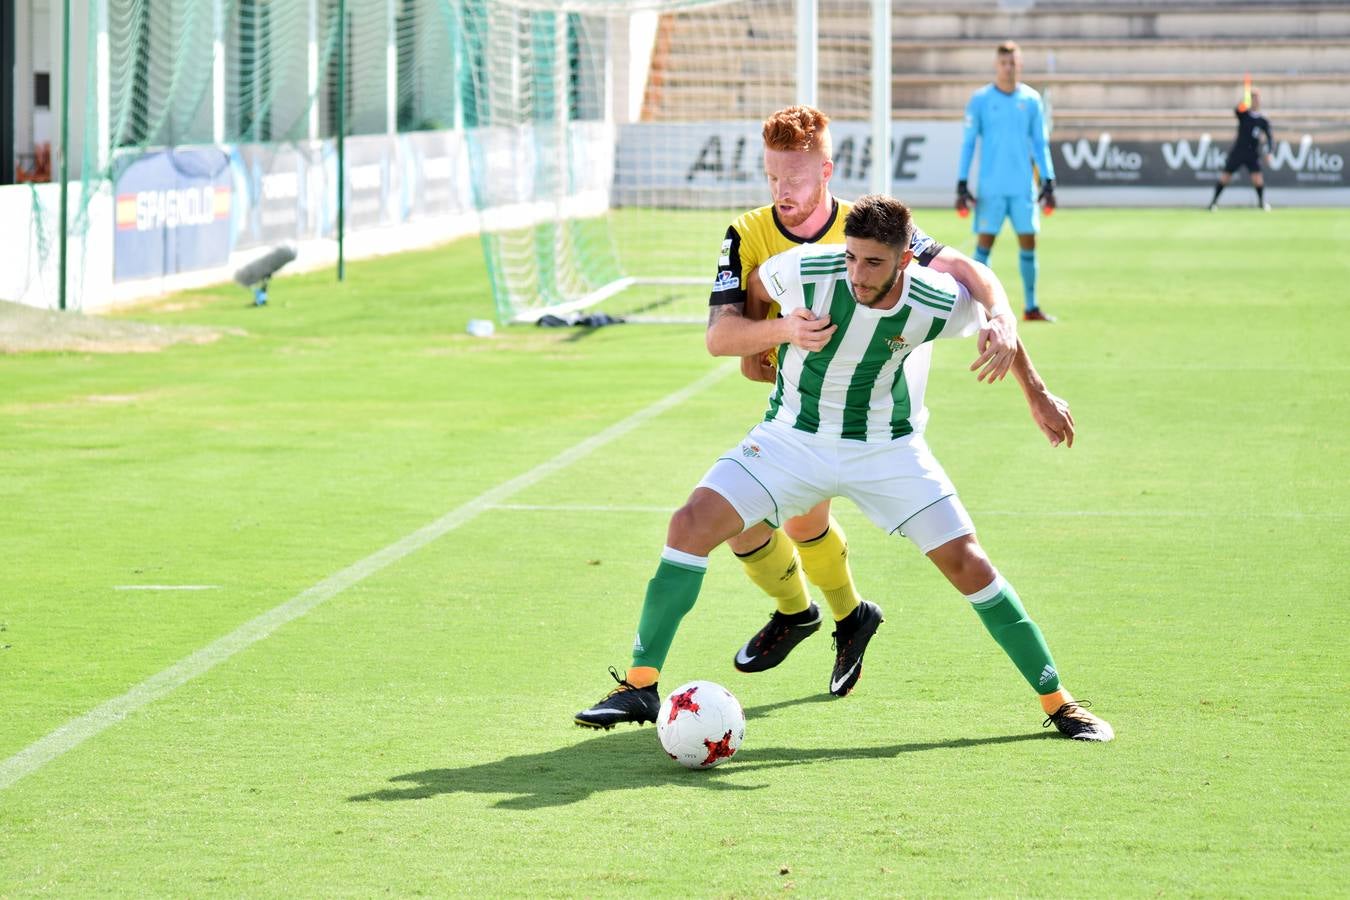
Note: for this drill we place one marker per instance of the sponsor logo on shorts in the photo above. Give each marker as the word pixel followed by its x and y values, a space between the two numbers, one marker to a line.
pixel 725 282
pixel 749 450
pixel 778 289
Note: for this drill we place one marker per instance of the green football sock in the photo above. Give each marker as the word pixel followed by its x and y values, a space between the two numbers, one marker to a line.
pixel 670 594
pixel 1019 637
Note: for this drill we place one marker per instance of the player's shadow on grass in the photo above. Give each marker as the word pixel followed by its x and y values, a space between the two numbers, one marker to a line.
pixel 630 759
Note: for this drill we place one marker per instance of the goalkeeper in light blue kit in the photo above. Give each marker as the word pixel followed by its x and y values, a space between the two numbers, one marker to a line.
pixel 1008 118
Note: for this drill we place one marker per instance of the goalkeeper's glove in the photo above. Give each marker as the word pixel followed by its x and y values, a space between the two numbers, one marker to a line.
pixel 963 199
pixel 1047 195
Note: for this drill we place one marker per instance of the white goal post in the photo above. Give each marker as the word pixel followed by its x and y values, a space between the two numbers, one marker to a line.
pixel 583 116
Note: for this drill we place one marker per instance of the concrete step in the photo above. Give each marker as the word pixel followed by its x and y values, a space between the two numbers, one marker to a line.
pixel 1068 56
pixel 949 94
pixel 1115 120
pixel 774 21
pixel 1128 91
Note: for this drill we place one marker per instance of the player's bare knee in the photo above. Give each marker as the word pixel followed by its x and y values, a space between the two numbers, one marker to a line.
pixel 964 563
pixel 684 532
pixel 750 540
pixel 705 521
pixel 809 525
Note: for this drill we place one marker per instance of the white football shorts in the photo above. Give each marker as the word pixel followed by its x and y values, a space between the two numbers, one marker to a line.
pixel 777 472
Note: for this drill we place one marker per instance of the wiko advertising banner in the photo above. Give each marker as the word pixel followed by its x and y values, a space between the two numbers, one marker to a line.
pixel 1100 159
pixel 173 213
pixel 721 164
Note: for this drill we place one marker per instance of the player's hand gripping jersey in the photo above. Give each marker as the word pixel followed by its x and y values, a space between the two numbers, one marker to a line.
pixel 868 382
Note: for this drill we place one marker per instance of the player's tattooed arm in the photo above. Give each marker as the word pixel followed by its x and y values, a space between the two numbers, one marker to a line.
pixel 732 333
pixel 724 310
pixel 755 366
pixel 725 323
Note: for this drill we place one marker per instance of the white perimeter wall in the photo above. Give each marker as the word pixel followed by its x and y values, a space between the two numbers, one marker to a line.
pixel 29 223
pixel 28 275
pixel 663 164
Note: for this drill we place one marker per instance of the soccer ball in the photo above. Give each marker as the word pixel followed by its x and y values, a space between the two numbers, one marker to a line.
pixel 700 724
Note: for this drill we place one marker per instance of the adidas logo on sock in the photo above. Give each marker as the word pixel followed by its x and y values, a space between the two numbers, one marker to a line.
pixel 1047 673
pixel 638 648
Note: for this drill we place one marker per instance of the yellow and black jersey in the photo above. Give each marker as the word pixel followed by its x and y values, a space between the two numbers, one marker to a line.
pixel 757 235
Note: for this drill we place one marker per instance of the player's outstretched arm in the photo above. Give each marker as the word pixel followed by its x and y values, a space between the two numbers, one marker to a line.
pixel 1050 413
pixel 969 134
pixel 997 341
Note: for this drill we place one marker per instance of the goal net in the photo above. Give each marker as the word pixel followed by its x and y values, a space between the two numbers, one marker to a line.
pixel 609 143
pixel 612 143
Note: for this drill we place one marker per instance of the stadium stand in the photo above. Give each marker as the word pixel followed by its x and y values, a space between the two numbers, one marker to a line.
pixel 1103 64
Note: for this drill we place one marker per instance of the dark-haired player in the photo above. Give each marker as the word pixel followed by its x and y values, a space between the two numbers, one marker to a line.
pixel 846 418
pixel 798 166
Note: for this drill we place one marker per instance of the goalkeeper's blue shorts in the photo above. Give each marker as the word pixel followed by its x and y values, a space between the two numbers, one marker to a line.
pixel 992 209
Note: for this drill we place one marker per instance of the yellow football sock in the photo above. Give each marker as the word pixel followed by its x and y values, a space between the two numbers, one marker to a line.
pixel 776 568
pixel 826 562
pixel 642 676
pixel 1053 701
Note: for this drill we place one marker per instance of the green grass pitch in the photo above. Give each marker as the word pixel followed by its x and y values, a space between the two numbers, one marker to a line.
pixel 412 733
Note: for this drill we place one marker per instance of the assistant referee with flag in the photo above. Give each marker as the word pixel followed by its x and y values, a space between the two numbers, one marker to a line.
pixel 1247 149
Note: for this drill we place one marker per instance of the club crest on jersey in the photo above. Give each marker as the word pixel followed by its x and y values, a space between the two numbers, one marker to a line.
pixel 724 259
pixel 726 282
pixel 750 450
pixel 896 343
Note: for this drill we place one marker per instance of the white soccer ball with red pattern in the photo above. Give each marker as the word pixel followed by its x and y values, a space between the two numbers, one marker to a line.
pixel 701 724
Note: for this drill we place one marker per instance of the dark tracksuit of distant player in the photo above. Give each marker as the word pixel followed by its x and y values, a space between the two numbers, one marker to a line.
pixel 1247 150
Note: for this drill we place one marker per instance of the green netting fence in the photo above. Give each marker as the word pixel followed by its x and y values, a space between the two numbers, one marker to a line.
pixel 524 84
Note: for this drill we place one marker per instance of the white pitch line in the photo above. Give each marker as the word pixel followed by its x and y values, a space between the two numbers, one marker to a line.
pixel 1048 514
pixel 80 729
pixel 167 587
pixel 1206 367
pixel 539 507
pixel 1159 514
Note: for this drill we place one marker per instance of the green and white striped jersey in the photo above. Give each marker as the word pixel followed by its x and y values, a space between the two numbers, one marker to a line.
pixel 867 384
